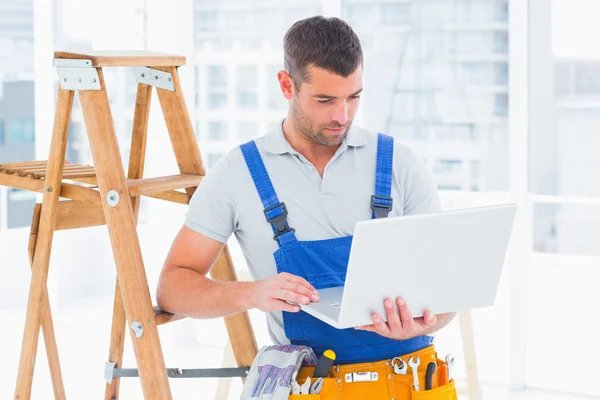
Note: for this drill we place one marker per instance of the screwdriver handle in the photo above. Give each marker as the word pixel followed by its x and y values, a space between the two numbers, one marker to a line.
pixel 443 375
pixel 429 375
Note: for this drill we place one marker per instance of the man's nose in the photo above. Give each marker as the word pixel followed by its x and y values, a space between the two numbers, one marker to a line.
pixel 341 114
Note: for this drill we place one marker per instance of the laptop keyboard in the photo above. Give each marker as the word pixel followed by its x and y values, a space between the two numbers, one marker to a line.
pixel 336 305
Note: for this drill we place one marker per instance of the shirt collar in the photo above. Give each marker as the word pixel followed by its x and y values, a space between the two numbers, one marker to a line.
pixel 276 143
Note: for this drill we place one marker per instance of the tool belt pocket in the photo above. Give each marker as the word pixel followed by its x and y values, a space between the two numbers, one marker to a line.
pixel 328 391
pixel 445 392
pixel 402 386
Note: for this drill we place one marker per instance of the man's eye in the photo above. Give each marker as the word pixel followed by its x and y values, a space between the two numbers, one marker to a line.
pixel 355 97
pixel 324 101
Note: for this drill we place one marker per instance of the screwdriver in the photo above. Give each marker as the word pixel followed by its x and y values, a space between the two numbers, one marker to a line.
pixel 324 365
pixel 429 376
pixel 443 375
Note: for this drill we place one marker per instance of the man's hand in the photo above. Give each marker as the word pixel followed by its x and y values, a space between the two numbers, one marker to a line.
pixel 271 294
pixel 401 325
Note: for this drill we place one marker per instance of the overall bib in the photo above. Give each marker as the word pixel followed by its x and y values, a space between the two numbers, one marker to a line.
pixel 323 263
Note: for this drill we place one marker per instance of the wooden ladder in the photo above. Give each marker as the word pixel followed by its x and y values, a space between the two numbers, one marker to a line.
pixel 103 194
pixel 94 195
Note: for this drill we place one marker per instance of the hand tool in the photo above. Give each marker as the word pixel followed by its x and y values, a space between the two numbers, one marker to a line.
pixel 414 364
pixel 324 364
pixel 316 386
pixel 305 387
pixel 443 375
pixel 400 367
pixel 295 385
pixel 429 376
pixel 450 362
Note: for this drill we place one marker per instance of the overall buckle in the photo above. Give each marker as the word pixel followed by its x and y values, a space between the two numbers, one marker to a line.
pixel 380 208
pixel 279 221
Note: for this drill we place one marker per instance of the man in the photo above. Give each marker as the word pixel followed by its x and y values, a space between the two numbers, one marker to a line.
pixel 308 181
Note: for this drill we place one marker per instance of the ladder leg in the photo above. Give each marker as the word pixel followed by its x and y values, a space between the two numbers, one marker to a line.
pixel 137 156
pixel 466 330
pixel 181 131
pixel 41 259
pixel 121 225
pixel 189 160
pixel 47 324
pixel 117 343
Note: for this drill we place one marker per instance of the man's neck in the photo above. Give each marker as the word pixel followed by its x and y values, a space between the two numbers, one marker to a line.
pixel 317 154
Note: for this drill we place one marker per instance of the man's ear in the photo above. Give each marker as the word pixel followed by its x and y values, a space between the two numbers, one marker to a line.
pixel 286 84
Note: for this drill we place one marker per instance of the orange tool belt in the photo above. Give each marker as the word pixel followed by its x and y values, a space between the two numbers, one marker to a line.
pixel 378 380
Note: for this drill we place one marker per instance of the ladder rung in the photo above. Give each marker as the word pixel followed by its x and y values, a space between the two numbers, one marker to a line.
pixel 146 186
pixel 110 372
pixel 125 58
pixel 163 317
pixel 22 164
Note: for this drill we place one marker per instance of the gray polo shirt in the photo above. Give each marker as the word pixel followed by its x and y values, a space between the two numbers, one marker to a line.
pixel 227 202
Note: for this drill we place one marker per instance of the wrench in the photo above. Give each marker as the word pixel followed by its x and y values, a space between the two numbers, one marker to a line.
pixel 401 368
pixel 305 387
pixel 295 385
pixel 414 364
pixel 450 362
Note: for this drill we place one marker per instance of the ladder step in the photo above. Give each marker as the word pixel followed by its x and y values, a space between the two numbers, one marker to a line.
pixel 146 186
pixel 110 372
pixel 163 317
pixel 38 169
pixel 125 58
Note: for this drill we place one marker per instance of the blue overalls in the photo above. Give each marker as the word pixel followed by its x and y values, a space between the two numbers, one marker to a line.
pixel 326 261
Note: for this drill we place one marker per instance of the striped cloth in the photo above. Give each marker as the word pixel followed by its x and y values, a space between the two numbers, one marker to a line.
pixel 271 372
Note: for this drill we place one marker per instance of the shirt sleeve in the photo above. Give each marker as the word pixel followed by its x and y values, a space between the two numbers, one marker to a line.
pixel 212 208
pixel 421 194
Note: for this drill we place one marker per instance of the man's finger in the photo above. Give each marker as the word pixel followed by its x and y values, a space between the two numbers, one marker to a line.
pixel 406 317
pixel 380 326
pixel 285 306
pixel 430 318
pixel 393 319
pixel 300 280
pixel 300 289
pixel 294 297
pixel 368 328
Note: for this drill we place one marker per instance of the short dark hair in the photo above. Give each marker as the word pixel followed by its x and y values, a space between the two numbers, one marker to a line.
pixel 328 43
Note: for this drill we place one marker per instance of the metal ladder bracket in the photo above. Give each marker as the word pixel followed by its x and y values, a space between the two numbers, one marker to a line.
pixel 75 74
pixel 155 77
pixel 110 372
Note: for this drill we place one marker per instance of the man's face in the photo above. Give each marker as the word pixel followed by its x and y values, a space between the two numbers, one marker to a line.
pixel 324 107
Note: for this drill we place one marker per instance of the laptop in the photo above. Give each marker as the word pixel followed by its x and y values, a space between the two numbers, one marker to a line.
pixel 445 261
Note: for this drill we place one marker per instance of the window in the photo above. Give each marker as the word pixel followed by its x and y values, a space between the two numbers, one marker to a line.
pixel 443 87
pixel 394 14
pixel 238 20
pixel 217 86
pixel 247 87
pixel 2 136
pixel 19 207
pixel 566 229
pixel 275 99
pixel 587 78
pixel 359 14
pixel 207 21
pixel 447 166
pixel 217 130
pixel 21 131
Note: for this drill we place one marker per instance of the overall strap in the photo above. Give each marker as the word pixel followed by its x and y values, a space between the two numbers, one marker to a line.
pixel 275 211
pixel 381 201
